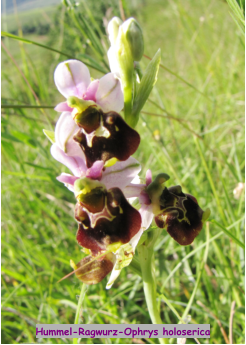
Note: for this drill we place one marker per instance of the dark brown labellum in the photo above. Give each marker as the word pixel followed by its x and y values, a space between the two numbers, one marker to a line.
pixel 181 216
pixel 117 223
pixel 122 141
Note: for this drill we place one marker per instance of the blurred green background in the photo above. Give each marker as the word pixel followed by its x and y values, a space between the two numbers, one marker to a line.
pixel 192 128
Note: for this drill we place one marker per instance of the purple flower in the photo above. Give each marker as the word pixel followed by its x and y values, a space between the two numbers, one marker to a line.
pixel 68 152
pixel 72 78
pixel 106 219
pixel 100 131
pixel 107 224
pixel 173 210
pixel 95 143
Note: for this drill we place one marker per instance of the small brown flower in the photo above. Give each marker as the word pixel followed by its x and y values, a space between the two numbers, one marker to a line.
pixel 115 222
pixel 180 215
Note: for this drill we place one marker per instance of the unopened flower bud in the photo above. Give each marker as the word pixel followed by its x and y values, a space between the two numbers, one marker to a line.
pixel 134 38
pixel 113 29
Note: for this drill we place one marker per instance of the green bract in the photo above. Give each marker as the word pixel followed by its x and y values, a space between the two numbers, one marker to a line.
pixel 134 38
pixel 146 85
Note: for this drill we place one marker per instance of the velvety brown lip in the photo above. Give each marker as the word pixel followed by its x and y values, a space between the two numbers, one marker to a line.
pixel 122 142
pixel 118 223
pixel 181 216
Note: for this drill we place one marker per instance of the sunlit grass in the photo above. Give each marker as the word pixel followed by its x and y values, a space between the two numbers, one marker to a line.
pixel 201 44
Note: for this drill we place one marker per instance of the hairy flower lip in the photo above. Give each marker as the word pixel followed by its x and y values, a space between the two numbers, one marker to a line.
pixel 180 215
pixel 117 223
pixel 121 143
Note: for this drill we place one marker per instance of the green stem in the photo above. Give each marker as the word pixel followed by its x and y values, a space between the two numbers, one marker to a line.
pixel 146 256
pixel 127 89
pixel 18 106
pixel 81 298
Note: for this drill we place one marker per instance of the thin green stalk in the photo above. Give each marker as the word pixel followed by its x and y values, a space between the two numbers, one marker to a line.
pixel 18 106
pixel 180 78
pixel 146 256
pixel 128 105
pixel 81 299
pixel 6 34
pixel 212 185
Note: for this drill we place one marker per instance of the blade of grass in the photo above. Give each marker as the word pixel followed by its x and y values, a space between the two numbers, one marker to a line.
pixel 180 78
pixel 229 234
pixel 6 34
pixel 209 176
pixel 20 106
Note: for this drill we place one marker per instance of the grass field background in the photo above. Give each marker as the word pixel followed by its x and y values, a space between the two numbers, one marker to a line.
pixel 192 128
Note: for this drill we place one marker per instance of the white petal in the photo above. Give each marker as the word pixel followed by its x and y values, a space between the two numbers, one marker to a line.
pixel 121 173
pixel 113 276
pixel 65 130
pixel 133 190
pixel 113 62
pixel 109 94
pixel 75 164
pixel 124 257
pixel 72 78
pixel 63 107
pixel 68 180
pixel 147 216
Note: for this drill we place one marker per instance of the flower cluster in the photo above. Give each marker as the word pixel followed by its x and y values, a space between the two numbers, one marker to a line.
pixel 96 144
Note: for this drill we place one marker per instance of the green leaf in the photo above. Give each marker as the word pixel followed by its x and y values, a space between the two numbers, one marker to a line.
pixel 9 150
pixel 15 275
pixel 6 34
pixel 241 310
pixel 238 13
pixel 9 137
pixel 29 176
pixel 37 166
pixel 146 85
pixel 92 62
pixel 50 135
pixel 20 106
pixel 228 233
pixel 24 138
